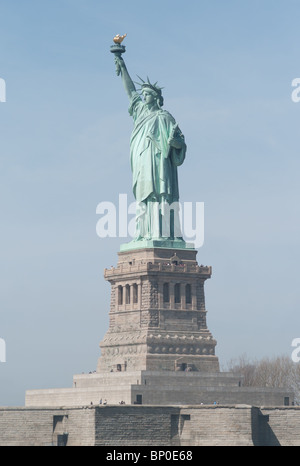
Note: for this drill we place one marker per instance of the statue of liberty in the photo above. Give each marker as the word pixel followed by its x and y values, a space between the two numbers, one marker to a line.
pixel 157 148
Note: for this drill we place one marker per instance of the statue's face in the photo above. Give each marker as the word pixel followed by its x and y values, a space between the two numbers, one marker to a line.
pixel 149 97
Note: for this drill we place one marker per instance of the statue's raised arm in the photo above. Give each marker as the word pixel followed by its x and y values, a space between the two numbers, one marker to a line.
pixel 118 49
pixel 127 81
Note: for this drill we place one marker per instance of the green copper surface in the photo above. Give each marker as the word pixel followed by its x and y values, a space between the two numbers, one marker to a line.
pixel 160 243
pixel 157 148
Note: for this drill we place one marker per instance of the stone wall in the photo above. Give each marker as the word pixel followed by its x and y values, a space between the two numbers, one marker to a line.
pixel 69 397
pixel 159 388
pixel 221 426
pixel 280 426
pixel 170 426
pixel 206 425
pixel 44 427
pixel 134 425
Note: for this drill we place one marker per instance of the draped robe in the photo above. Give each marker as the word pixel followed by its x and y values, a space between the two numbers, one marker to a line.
pixel 153 163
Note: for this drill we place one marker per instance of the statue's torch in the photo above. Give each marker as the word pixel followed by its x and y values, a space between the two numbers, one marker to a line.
pixel 118 49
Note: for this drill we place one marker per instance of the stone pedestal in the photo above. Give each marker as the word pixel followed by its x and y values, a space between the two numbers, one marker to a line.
pixel 158 349
pixel 157 314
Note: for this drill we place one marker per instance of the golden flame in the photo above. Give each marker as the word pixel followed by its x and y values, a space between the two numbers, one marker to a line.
pixel 118 39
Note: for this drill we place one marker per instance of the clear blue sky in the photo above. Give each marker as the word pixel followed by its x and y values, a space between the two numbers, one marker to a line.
pixel 226 69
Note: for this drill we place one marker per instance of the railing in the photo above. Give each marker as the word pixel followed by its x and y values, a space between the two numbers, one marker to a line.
pixel 158 267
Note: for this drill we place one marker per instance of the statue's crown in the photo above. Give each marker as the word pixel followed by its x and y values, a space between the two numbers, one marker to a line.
pixel 143 84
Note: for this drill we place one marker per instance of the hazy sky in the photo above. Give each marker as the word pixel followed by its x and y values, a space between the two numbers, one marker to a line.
pixel 226 68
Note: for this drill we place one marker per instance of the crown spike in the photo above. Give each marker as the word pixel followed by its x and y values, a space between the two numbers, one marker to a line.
pixel 143 84
pixel 140 78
